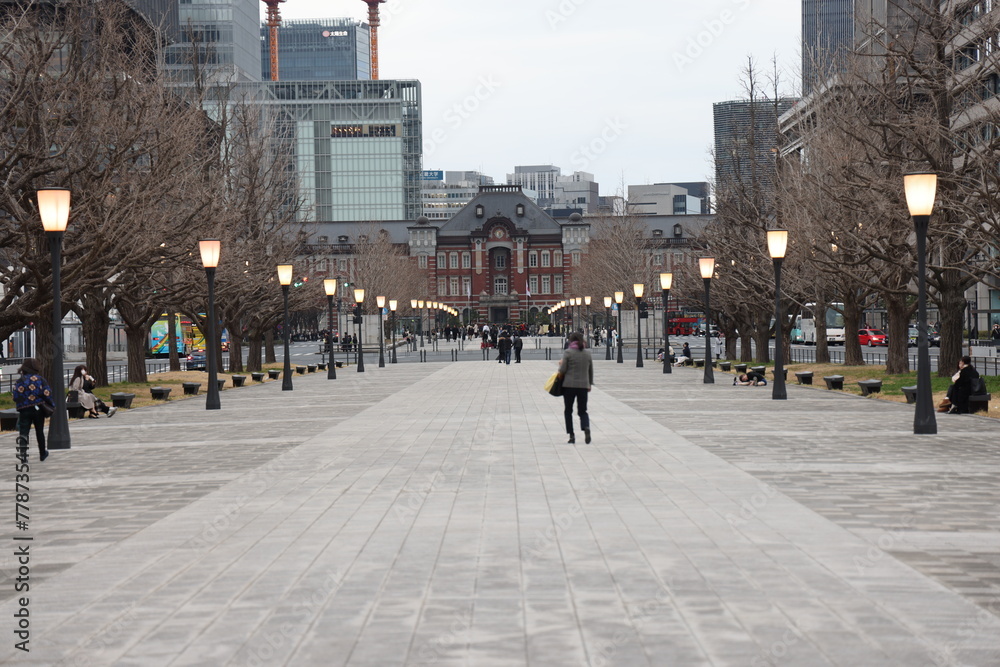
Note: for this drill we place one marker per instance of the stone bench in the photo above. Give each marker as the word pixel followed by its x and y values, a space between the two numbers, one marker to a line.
pixel 834 381
pixel 979 403
pixel 258 376
pixel 759 369
pixel 273 373
pixel 238 380
pixel 321 367
pixel 910 393
pixel 311 368
pixel 221 383
pixel 805 377
pixel 725 365
pixel 160 393
pixel 784 373
pixel 121 399
pixel 869 387
pixel 741 368
pixel 190 388
pixel 8 420
pixel 699 363
pixel 301 370
pixel 74 409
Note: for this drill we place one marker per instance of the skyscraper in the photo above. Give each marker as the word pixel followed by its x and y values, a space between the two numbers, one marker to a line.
pixel 746 141
pixel 828 35
pixel 218 39
pixel 319 50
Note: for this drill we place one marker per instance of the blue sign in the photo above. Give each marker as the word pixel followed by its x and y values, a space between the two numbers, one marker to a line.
pixel 433 175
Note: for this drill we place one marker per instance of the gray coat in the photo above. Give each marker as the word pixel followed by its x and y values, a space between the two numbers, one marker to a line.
pixel 577 368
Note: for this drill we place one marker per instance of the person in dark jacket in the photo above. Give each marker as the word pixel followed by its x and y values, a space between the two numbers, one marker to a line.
pixel 31 391
pixel 518 344
pixel 961 390
pixel 577 372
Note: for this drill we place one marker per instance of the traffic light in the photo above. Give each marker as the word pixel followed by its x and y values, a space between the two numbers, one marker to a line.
pixel 643 310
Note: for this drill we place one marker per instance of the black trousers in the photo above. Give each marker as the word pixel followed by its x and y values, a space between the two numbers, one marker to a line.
pixel 25 420
pixel 571 394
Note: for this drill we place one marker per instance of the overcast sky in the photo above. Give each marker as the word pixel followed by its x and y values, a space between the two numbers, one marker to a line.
pixel 622 90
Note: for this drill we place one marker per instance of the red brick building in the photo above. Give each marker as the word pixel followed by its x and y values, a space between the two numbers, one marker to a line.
pixel 501 257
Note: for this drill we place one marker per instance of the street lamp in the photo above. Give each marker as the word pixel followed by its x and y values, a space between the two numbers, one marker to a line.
pixel 420 318
pixel 638 289
pixel 619 297
pixel 53 209
pixel 392 324
pixel 586 302
pixel 330 286
pixel 285 278
pixel 380 302
pixel 707 267
pixel 920 192
pixel 777 243
pixel 359 298
pixel 607 328
pixel 666 280
pixel 210 249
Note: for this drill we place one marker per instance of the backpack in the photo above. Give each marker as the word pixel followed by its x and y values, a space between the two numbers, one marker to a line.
pixel 978 386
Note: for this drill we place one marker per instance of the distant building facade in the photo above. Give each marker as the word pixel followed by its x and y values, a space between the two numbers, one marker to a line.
pixel 828 35
pixel 746 140
pixel 318 50
pixel 541 178
pixel 218 38
pixel 445 193
pixel 669 199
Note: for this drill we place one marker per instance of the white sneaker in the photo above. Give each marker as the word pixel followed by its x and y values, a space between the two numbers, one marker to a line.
pixel 112 411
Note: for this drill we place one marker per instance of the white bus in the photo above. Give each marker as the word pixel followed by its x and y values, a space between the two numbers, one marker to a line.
pixel 805 325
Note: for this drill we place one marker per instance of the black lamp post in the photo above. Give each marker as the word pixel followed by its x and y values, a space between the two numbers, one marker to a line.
pixel 380 302
pixel 607 328
pixel 359 298
pixel 707 267
pixel 666 280
pixel 586 316
pixel 392 325
pixel 330 287
pixel 619 297
pixel 920 192
pixel 637 290
pixel 285 278
pixel 420 317
pixel 777 243
pixel 210 249
pixel 53 209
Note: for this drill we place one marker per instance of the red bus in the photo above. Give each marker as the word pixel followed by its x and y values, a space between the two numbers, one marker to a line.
pixel 683 326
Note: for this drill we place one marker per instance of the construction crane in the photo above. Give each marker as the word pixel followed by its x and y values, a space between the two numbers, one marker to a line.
pixel 373 23
pixel 273 21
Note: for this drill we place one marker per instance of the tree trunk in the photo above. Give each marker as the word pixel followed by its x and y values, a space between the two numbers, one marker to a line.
pixel 762 337
pixel 254 348
pixel 898 314
pixel 43 351
pixel 951 310
pixel 822 344
pixel 136 341
pixel 175 360
pixel 746 347
pixel 96 321
pixel 852 322
pixel 269 356
pixel 235 347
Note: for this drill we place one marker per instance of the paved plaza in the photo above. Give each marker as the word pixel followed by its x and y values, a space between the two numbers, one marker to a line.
pixel 433 514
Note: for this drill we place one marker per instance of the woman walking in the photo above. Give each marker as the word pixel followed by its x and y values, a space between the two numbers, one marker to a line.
pixel 31 392
pixel 577 372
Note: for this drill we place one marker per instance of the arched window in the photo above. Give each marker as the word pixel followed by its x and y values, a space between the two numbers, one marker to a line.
pixel 500 285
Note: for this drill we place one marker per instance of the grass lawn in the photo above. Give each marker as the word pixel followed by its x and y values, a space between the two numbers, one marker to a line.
pixel 891 384
pixel 172 379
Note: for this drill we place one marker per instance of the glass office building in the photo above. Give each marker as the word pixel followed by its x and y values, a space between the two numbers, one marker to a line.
pixel 828 35
pixel 217 37
pixel 318 50
pixel 356 145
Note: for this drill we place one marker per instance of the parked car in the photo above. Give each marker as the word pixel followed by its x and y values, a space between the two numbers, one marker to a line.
pixel 871 337
pixel 933 337
pixel 196 360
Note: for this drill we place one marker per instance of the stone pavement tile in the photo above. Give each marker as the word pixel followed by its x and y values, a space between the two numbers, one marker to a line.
pixel 463 530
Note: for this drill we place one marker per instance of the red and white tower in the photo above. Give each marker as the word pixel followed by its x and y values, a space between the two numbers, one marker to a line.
pixel 272 22
pixel 373 23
